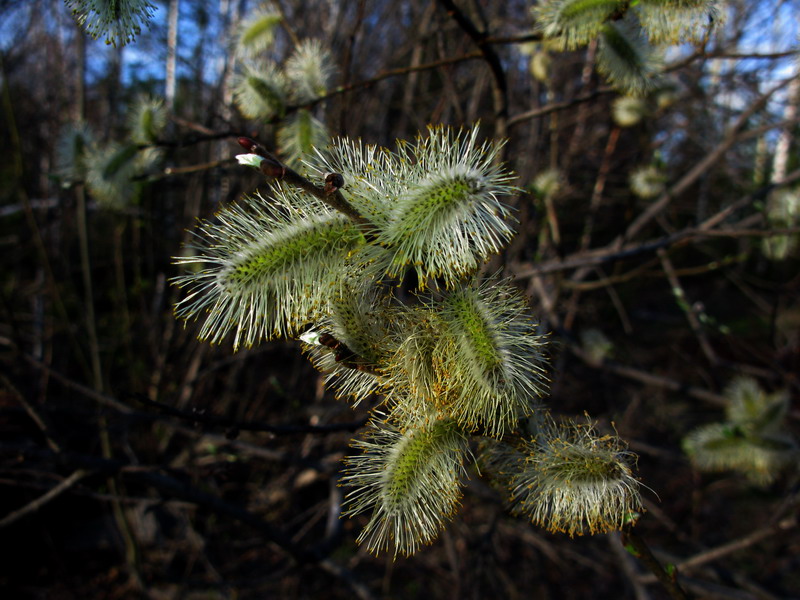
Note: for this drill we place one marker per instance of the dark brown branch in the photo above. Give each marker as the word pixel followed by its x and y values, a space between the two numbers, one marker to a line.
pixel 678 386
pixel 612 253
pixel 631 539
pixel 219 422
pixel 500 88
pixel 558 106
pixel 48 496
pixel 702 55
pixel 750 539
pixel 650 379
pixel 515 39
pixel 40 420
pixel 329 194
pixel 169 486
pixel 380 77
pixel 345 356
pixel 234 426
pixel 688 307
pixel 731 138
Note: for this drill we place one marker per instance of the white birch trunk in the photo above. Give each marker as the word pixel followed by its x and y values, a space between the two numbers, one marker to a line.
pixel 172 47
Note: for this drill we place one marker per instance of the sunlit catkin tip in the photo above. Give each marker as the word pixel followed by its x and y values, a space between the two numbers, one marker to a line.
pixel 753 409
pixel 257 32
pixel 548 183
pixel 674 22
pixel 628 110
pixel 626 58
pixel 299 135
pixel 576 482
pixel 309 69
pixel 147 119
pixel 74 145
pixel 783 212
pixel 648 182
pixel 409 480
pixel 752 441
pixel 260 92
pixel 451 215
pixel 109 173
pixel 573 23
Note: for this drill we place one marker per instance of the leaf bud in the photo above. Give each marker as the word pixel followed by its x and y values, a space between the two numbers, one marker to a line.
pixel 333 182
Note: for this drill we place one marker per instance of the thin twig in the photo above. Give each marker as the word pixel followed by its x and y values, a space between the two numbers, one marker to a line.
pixel 170 486
pixel 650 379
pixel 611 253
pixel 88 287
pixel 385 75
pixel 103 399
pixel 723 54
pixel 627 563
pixel 40 421
pixel 643 553
pixel 39 502
pixel 337 570
pixel 100 496
pixel 713 554
pixel 701 168
pixel 515 39
pixel 688 307
pixel 233 425
pixel 599 186
pixel 170 171
pixel 500 88
pixel 220 422
pixel 273 168
pixel 558 106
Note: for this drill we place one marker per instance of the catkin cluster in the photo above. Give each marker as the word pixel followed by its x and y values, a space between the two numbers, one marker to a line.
pixel 628 34
pixel 388 303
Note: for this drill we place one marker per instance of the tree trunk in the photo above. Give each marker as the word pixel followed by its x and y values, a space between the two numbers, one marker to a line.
pixel 172 47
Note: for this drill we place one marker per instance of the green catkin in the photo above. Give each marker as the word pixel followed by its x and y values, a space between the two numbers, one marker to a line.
pixel 410 481
pixel 460 358
pixel 575 481
pixel 751 441
pixel 119 21
pixel 269 95
pixel 491 358
pixel 268 268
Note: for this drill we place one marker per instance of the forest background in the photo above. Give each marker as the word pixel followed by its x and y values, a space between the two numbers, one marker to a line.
pixel 136 461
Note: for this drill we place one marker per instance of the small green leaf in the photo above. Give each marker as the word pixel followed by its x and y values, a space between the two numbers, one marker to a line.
pixel 631 549
pixel 250 160
pixel 258 32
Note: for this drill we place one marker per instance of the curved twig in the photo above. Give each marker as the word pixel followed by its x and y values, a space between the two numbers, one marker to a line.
pixel 500 88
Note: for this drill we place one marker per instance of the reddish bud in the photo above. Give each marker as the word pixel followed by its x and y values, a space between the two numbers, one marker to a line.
pixel 251 146
pixel 326 339
pixel 272 168
pixel 247 143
